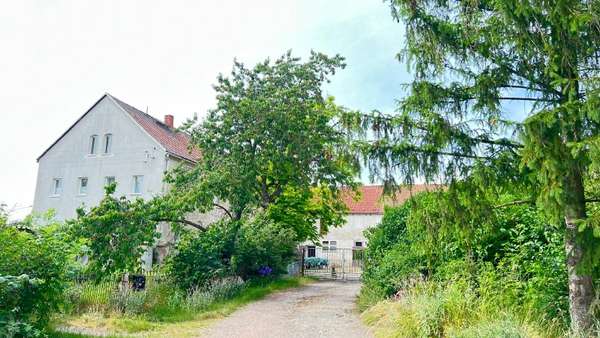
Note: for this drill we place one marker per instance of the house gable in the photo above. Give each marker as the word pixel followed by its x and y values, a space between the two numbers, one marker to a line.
pixel 105 104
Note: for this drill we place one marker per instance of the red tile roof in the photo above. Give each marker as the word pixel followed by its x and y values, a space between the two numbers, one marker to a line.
pixel 176 143
pixel 371 200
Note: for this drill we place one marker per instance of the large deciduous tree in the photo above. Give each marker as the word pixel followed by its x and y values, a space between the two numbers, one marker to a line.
pixel 117 232
pixel 475 60
pixel 272 141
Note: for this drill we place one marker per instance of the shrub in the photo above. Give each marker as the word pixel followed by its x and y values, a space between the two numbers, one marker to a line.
pixel 396 269
pixel 254 247
pixel 34 265
pixel 390 260
pixel 387 234
pixel 202 256
pixel 315 262
pixel 514 261
pixel 261 243
pixel 12 291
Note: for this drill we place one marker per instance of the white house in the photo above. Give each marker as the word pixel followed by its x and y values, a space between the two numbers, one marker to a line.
pixel 364 212
pixel 342 247
pixel 115 142
pixel 111 142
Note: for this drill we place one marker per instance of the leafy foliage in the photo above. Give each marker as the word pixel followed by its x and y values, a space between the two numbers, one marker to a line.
pixel 301 210
pixel 315 262
pixel 117 231
pixel 231 248
pixel 201 257
pixel 262 243
pixel 34 270
pixel 272 138
pixel 516 261
pixel 472 61
pixel 3 215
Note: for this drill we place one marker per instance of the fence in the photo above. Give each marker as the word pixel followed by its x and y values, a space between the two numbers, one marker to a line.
pixel 333 263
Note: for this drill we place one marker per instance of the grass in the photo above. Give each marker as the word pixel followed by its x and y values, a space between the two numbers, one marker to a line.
pixel 59 334
pixel 172 324
pixel 452 311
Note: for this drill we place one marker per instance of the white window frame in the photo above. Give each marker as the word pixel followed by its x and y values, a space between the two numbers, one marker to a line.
pixel 329 245
pixel 93 145
pixel 107 149
pixel 137 184
pixel 107 180
pixel 81 189
pixel 57 187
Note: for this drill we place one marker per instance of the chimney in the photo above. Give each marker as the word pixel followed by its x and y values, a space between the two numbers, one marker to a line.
pixel 169 119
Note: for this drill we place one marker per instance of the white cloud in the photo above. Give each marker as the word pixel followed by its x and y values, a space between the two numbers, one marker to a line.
pixel 58 57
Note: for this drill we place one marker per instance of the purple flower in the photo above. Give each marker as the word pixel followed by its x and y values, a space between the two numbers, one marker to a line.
pixel 265 271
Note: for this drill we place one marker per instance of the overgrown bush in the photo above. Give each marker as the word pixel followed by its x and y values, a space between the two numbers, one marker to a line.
pixel 259 244
pixel 202 256
pixel 34 269
pixel 13 290
pixel 513 261
pixel 390 261
pixel 256 247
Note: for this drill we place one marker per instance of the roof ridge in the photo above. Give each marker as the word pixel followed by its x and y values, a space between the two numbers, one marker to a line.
pixel 121 102
pixel 173 140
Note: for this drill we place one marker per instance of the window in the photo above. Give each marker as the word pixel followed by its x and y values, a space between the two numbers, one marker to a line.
pixel 329 245
pixel 108 180
pixel 83 185
pixel 138 180
pixel 311 251
pixel 56 186
pixel 93 144
pixel 107 143
pixel 358 244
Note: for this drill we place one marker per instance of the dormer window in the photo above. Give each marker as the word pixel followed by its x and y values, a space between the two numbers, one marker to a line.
pixel 107 143
pixel 93 144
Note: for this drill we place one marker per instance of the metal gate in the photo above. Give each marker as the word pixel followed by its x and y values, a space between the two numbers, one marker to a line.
pixel 332 263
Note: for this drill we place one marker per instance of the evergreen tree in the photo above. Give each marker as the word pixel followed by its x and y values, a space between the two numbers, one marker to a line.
pixel 472 61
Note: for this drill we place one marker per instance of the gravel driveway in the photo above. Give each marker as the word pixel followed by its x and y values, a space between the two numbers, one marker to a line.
pixel 321 309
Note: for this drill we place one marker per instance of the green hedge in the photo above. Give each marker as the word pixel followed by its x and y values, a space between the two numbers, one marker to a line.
pixel 34 266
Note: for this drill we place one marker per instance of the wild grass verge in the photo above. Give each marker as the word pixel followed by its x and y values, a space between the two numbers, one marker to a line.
pixel 450 310
pixel 168 312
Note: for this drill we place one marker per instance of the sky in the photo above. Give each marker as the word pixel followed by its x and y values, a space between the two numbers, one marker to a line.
pixel 58 57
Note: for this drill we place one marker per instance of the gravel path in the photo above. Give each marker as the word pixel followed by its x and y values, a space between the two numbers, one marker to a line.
pixel 322 309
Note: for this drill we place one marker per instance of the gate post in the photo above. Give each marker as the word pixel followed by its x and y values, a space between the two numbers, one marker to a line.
pixel 344 265
pixel 302 261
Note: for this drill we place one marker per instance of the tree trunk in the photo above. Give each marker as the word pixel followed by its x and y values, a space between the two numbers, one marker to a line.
pixel 581 291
